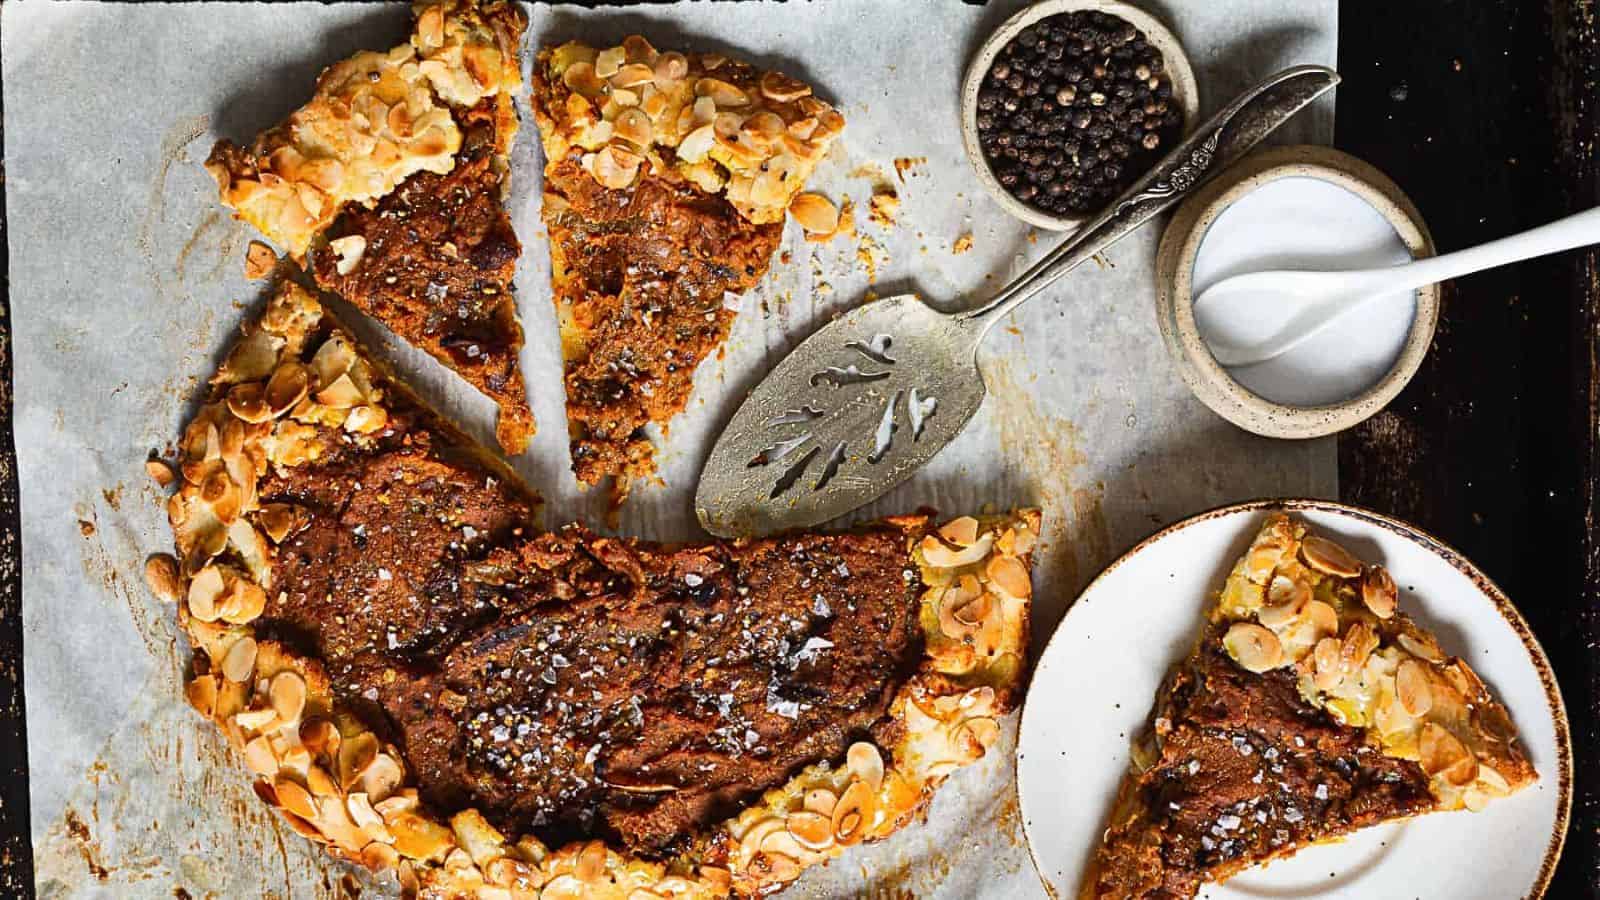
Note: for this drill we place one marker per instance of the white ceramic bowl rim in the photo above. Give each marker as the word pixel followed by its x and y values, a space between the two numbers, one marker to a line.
pixel 1223 393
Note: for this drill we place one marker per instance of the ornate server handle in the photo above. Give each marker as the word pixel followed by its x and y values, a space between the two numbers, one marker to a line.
pixel 1215 145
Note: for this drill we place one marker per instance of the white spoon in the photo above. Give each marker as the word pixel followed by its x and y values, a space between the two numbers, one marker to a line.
pixel 1259 316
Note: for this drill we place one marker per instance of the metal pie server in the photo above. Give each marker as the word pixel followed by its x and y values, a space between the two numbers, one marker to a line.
pixel 871 396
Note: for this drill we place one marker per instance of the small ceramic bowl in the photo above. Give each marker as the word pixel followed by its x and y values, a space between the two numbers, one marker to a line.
pixel 1184 91
pixel 1175 270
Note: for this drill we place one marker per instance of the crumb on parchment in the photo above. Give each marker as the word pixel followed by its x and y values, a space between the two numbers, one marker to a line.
pixel 962 244
pixel 884 207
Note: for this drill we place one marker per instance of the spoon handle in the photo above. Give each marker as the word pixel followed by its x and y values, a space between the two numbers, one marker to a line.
pixel 1214 146
pixel 1578 230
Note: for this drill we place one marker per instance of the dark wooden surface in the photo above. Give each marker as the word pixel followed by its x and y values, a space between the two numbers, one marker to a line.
pixel 1485 112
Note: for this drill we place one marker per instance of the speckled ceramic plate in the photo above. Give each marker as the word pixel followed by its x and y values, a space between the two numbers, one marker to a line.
pixel 1094 685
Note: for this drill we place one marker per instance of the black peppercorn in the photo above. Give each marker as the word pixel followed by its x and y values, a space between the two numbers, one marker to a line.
pixel 1072 109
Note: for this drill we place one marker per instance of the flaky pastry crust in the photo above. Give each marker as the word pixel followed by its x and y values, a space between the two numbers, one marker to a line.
pixel 375 120
pixel 728 127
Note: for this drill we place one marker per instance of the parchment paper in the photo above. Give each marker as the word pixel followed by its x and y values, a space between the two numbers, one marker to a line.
pixel 127 285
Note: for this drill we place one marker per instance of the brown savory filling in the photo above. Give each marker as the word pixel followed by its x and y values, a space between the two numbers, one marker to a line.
pixel 1245 770
pixel 642 272
pixel 433 261
pixel 574 685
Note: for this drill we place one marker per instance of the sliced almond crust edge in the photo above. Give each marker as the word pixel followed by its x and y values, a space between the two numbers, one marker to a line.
pixel 1439 714
pixel 275 401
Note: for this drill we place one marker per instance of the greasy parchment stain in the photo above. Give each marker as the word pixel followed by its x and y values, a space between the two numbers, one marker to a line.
pixel 179 136
pixel 1076 540
pixel 166 810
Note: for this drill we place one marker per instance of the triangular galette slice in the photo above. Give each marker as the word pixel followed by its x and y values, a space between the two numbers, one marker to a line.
pixel 1310 708
pixel 423 683
pixel 392 179
pixel 667 177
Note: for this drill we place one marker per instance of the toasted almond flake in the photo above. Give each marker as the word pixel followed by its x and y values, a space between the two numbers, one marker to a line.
pixel 1254 648
pixel 240 662
pixel 1420 645
pixel 350 249
pixel 288 693
pixel 356 754
pixel 205 590
pixel 1359 642
pixel 259 758
pixel 815 213
pixel 963 532
pixel 365 419
pixel 634 127
pixel 1286 600
pixel 670 66
pixel 201 692
pixel 383 777
pixel 813 831
pixel 159 472
pixel 821 801
pixel 341 393
pixel 633 75
pixel 379 857
pixel 616 168
pixel 780 88
pixel 293 797
pixel 697 143
pixel 722 93
pixel 287 387
pixel 1329 666
pixel 1261 560
pixel 1323 618
pixel 1412 689
pixel 853 813
pixel 1326 556
pixel 779 867
pixel 940 556
pixel 763 130
pixel 256 719
pixel 865 764
pixel 1009 575
pixel 320 782
pixel 581 78
pixel 416 837
pixel 1490 778
pixel 161 575
pixel 782 843
pixel 259 261
pixel 591 862
pixel 1444 755
pixel 608 62
pixel 976 735
pixel 247 401
pixel 756 833
pixel 320 736
pixel 1378 591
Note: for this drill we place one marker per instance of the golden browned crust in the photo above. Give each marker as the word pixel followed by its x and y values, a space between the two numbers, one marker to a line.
pixel 375 119
pixel 752 136
pixel 666 180
pixel 1349 672
pixel 297 389
pixel 405 152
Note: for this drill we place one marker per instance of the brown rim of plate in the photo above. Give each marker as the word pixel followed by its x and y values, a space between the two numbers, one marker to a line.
pixel 1454 558
pixel 1175 257
pixel 1184 91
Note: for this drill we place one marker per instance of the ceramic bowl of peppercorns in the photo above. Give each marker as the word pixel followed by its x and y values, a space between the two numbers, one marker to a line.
pixel 1069 103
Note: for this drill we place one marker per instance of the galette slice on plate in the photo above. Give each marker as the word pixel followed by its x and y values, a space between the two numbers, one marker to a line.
pixel 391 183
pixel 1310 707
pixel 667 178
